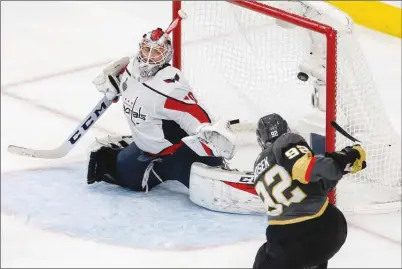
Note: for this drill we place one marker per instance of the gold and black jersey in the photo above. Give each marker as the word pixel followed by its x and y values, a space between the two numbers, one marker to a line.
pixel 292 181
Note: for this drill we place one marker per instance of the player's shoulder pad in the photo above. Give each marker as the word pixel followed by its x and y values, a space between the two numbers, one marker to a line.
pixel 264 160
pixel 285 142
pixel 171 82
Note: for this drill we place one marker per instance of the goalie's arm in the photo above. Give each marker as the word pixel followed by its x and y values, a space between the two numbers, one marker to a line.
pixel 188 114
pixel 205 137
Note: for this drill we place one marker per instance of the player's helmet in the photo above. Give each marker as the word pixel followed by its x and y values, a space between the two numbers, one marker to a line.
pixel 155 50
pixel 270 127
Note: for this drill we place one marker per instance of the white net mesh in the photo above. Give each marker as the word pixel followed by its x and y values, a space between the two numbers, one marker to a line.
pixel 360 112
pixel 243 65
pixel 249 66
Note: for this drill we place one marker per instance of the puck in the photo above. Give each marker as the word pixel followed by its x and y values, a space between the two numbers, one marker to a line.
pixel 302 76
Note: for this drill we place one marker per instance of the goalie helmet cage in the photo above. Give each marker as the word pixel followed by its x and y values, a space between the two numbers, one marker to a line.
pixel 249 52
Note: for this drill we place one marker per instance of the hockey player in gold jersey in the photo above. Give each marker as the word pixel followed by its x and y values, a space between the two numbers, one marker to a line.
pixel 304 229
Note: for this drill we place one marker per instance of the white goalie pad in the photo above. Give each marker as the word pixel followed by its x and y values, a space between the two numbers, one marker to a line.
pixel 224 190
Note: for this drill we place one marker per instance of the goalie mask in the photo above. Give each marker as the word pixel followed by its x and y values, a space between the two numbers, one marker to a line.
pixel 155 50
pixel 270 127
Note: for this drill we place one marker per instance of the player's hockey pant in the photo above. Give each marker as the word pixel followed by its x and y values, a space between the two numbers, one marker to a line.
pixel 132 164
pixel 304 244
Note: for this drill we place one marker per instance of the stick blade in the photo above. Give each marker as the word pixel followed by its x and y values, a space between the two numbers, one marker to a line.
pixel 44 154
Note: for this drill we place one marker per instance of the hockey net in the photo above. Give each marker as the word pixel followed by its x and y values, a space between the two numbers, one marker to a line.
pixel 242 58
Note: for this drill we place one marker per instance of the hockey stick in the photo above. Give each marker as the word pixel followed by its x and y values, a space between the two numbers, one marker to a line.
pixel 72 139
pixel 336 126
pixel 180 16
pixel 343 132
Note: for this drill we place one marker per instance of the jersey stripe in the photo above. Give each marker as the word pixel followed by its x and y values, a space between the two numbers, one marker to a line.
pixel 168 150
pixel 194 109
pixel 180 104
pixel 309 169
pixel 241 186
pixel 299 219
pixel 207 150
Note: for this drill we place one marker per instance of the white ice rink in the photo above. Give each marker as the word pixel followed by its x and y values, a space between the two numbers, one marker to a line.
pixel 51 218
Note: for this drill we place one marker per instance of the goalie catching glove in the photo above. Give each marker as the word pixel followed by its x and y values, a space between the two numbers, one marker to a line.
pixel 350 159
pixel 107 81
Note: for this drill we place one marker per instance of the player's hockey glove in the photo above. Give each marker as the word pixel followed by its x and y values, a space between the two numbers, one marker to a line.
pixel 350 159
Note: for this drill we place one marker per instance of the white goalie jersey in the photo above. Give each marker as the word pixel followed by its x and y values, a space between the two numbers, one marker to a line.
pixel 161 110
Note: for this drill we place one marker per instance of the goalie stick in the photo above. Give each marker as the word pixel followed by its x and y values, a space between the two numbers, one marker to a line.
pixel 72 139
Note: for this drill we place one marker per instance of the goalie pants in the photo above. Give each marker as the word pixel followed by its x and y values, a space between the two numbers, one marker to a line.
pixel 300 245
pixel 132 164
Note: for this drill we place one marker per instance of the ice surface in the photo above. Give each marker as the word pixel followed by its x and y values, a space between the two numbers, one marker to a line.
pixel 58 199
pixel 51 218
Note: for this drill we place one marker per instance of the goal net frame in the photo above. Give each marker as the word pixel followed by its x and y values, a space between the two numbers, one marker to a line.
pixel 331 61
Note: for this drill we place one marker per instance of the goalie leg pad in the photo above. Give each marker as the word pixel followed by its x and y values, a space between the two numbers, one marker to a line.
pixel 224 190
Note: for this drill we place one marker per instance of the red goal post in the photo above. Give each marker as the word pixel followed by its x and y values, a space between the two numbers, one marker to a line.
pixel 331 61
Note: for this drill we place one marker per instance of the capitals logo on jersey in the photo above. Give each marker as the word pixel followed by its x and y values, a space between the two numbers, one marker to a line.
pixel 172 80
pixel 134 114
